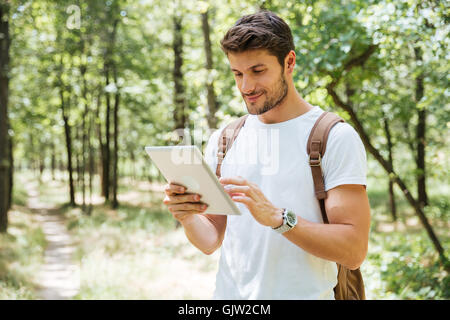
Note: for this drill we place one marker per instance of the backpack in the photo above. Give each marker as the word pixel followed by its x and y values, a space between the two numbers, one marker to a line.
pixel 350 284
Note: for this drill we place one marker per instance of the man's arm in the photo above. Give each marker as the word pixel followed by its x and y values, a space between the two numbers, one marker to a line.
pixel 345 239
pixel 206 232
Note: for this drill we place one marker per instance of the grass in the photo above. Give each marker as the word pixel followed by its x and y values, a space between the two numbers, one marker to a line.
pixel 21 249
pixel 21 255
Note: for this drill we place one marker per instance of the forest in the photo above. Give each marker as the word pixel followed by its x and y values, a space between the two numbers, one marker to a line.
pixel 86 85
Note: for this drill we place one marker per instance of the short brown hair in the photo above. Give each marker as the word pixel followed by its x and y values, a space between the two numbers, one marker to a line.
pixel 261 30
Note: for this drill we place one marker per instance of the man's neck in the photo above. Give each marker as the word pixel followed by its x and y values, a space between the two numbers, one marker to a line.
pixel 291 107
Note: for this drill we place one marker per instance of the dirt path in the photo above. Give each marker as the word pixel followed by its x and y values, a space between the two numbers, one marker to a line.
pixel 59 277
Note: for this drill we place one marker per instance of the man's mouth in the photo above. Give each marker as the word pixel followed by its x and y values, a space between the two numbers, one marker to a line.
pixel 254 97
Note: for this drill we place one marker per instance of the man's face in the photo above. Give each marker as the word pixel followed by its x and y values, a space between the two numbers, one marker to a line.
pixel 260 79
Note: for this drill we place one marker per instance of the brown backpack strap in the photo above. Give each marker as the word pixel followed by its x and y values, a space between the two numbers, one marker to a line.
pixel 317 143
pixel 226 139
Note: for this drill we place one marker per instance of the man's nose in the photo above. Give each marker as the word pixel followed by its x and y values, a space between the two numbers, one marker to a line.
pixel 248 85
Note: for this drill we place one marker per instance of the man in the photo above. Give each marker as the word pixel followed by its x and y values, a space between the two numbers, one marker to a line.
pixel 257 262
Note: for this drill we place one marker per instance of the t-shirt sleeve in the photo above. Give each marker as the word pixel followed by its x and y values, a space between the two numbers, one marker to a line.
pixel 345 160
pixel 210 153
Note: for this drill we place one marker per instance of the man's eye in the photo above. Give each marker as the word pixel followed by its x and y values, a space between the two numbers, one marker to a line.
pixel 238 74
pixel 258 71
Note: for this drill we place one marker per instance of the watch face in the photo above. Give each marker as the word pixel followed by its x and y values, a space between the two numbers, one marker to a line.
pixel 291 218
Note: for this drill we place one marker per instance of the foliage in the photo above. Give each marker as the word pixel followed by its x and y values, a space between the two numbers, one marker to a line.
pixel 327 35
pixel 407 268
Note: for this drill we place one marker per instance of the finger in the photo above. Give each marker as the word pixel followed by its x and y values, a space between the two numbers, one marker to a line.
pixel 200 207
pixel 237 189
pixel 243 199
pixel 173 188
pixel 233 180
pixel 173 199
pixel 236 194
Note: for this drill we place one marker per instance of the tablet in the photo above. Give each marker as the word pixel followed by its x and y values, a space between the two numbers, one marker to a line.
pixel 186 166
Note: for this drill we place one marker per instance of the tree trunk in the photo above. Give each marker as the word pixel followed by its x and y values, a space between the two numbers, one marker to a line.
pixel 42 162
pixel 392 203
pixel 106 146
pixel 420 135
pixel 52 159
pixel 115 202
pixel 133 164
pixel 83 160
pixel 67 131
pixel 108 67
pixel 179 95
pixel 11 173
pixel 69 157
pixel 212 100
pixel 101 163
pixel 5 159
pixel 91 161
pixel 83 69
pixel 78 161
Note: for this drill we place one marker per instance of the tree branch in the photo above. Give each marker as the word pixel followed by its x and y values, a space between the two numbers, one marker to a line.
pixel 359 61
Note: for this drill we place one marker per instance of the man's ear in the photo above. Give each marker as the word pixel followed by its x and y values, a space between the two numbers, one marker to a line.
pixel 289 61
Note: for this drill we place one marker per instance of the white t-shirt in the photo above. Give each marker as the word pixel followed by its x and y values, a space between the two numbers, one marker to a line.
pixel 257 262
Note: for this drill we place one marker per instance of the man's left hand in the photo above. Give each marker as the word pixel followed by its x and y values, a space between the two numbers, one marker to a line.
pixel 248 193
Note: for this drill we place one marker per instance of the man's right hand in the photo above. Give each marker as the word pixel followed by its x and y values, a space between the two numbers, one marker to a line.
pixel 182 205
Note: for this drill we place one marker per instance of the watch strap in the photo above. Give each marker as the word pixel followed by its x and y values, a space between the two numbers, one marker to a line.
pixel 284 226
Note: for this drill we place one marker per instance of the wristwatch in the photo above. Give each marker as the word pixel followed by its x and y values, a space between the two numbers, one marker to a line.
pixel 289 221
